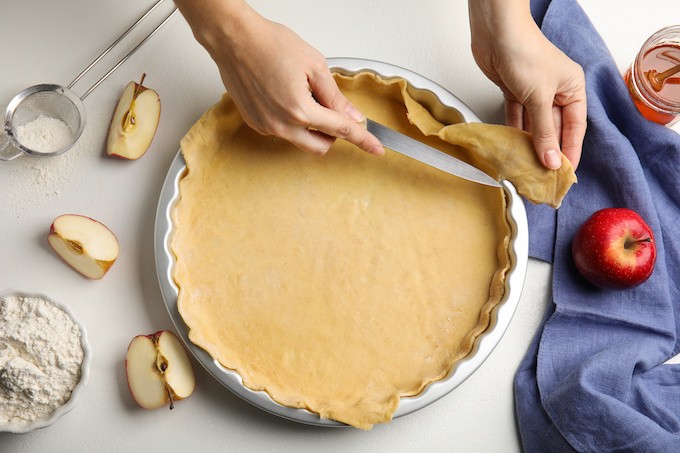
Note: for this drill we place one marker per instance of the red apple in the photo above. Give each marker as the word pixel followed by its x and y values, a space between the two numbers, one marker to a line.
pixel 614 249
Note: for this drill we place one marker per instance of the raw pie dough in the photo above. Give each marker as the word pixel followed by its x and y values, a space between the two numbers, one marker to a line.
pixel 341 283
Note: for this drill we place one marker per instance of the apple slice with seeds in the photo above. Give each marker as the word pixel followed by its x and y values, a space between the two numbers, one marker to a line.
pixel 87 245
pixel 158 370
pixel 135 121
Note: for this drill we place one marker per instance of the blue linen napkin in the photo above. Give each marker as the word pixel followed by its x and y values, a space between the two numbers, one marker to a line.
pixel 594 378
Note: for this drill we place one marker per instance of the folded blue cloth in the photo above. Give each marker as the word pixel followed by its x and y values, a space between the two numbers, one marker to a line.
pixel 594 378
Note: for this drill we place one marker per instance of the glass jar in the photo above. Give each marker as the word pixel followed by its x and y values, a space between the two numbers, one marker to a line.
pixel 652 79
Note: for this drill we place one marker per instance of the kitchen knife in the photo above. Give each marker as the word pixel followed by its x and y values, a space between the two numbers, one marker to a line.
pixel 419 151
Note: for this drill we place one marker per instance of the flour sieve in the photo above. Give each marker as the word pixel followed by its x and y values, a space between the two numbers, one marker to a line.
pixel 59 105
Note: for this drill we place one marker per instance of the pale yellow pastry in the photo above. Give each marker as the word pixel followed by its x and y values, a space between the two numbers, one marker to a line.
pixel 339 283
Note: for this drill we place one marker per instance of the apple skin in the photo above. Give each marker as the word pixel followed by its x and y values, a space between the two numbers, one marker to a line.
pixel 614 249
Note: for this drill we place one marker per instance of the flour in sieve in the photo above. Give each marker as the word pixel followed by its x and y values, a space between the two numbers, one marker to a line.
pixel 44 134
pixel 40 358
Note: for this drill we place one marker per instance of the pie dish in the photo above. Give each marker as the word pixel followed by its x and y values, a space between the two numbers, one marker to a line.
pixel 434 99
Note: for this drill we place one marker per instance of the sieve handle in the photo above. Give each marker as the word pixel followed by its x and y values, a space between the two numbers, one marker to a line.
pixel 7 149
pixel 125 58
pixel 114 44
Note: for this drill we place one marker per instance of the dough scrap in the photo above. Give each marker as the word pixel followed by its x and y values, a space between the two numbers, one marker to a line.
pixel 501 151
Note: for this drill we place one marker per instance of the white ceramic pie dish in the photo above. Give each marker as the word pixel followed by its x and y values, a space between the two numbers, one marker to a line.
pixel 43 422
pixel 447 108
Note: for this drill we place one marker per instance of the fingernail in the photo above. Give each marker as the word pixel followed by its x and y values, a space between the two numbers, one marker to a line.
pixel 552 159
pixel 354 114
pixel 378 151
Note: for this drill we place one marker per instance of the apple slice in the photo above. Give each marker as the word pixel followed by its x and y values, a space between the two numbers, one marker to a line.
pixel 134 121
pixel 158 370
pixel 87 245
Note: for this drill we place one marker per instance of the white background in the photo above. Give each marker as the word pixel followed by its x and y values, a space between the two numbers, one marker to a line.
pixel 50 42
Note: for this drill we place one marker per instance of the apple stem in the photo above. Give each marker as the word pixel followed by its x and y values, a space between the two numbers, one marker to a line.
pixel 628 244
pixel 172 403
pixel 129 117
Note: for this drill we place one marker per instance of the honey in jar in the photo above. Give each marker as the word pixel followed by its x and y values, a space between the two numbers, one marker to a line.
pixel 654 77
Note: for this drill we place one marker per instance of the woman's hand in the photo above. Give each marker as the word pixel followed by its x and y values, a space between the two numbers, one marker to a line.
pixel 544 90
pixel 280 84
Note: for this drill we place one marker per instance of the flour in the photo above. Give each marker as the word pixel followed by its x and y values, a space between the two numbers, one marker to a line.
pixel 40 358
pixel 44 134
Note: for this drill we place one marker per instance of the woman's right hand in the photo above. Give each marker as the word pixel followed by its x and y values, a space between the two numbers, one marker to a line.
pixel 280 84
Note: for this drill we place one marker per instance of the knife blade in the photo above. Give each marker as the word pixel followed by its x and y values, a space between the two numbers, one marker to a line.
pixel 426 154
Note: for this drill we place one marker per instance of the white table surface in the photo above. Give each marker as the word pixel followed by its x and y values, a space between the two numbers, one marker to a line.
pixel 50 42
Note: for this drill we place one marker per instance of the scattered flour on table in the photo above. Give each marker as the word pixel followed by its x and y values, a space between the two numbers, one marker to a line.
pixel 40 358
pixel 40 182
pixel 44 134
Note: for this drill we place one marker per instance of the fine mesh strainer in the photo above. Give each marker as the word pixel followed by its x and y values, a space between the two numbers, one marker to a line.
pixel 58 103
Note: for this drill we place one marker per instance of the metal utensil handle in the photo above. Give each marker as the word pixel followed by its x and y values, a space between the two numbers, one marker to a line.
pixel 114 43
pixel 7 149
pixel 125 58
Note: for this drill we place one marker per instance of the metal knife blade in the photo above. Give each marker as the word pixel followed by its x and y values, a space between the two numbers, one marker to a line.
pixel 419 151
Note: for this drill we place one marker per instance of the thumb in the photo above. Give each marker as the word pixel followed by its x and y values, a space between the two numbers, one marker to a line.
pixel 544 137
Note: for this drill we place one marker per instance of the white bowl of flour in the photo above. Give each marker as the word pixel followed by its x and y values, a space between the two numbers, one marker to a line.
pixel 44 360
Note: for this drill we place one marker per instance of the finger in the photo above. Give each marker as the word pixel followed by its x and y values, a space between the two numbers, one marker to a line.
pixel 310 141
pixel 544 137
pixel 527 120
pixel 327 93
pixel 514 114
pixel 338 125
pixel 557 122
pixel 573 130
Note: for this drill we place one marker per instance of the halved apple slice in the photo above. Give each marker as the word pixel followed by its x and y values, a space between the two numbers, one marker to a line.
pixel 87 245
pixel 134 121
pixel 158 370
